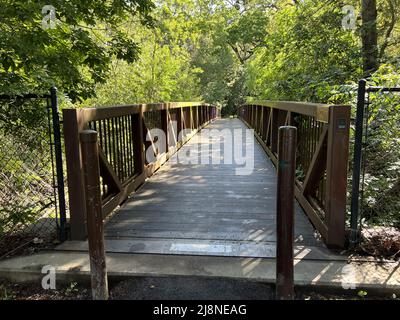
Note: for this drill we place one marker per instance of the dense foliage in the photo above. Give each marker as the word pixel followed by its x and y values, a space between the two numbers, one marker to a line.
pixel 221 51
pixel 74 53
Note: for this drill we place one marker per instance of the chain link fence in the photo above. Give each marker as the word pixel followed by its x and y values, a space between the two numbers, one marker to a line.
pixel 375 171
pixel 380 171
pixel 29 212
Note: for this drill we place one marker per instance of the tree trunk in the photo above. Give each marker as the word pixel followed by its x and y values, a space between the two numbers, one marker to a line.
pixel 369 36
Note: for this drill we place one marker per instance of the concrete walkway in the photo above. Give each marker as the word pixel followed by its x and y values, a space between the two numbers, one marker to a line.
pixel 74 266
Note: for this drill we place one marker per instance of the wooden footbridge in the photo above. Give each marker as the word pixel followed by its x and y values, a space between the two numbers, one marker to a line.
pixel 159 204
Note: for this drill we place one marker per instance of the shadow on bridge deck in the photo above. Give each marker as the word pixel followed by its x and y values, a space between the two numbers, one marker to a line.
pixel 206 209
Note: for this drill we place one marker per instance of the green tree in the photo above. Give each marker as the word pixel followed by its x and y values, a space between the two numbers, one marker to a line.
pixel 76 54
pixel 306 52
pixel 164 71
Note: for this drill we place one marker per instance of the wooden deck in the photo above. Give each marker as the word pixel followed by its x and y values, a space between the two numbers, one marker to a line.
pixel 204 209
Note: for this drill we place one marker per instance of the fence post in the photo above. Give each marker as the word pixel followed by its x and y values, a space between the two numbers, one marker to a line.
pixel 59 163
pixel 355 193
pixel 285 212
pixel 91 170
pixel 336 174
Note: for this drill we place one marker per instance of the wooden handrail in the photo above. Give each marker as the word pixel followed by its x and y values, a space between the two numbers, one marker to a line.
pixel 93 114
pixel 322 156
pixel 317 110
pixel 123 133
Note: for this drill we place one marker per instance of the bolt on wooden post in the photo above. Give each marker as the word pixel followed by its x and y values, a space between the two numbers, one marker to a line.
pixel 285 212
pixel 91 169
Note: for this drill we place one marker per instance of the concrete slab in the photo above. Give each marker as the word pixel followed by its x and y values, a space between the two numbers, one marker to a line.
pixel 251 249
pixel 74 266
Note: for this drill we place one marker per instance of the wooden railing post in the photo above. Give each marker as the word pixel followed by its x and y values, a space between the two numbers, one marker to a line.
pixel 251 116
pixel 285 212
pixel 91 170
pixel 164 127
pixel 191 120
pixel 274 130
pixel 336 174
pixel 195 118
pixel 184 124
pixel 265 121
pixel 278 120
pixel 147 144
pixel 137 138
pixel 74 123
pixel 179 126
pixel 260 121
pixel 191 117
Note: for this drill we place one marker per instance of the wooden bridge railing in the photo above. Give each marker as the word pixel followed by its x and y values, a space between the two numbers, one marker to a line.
pixel 322 156
pixel 124 136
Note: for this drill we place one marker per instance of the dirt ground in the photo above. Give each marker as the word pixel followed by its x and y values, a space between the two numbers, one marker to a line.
pixel 176 288
pixel 380 242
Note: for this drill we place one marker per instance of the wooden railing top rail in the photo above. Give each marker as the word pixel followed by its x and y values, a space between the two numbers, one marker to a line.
pixel 319 111
pixel 100 113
